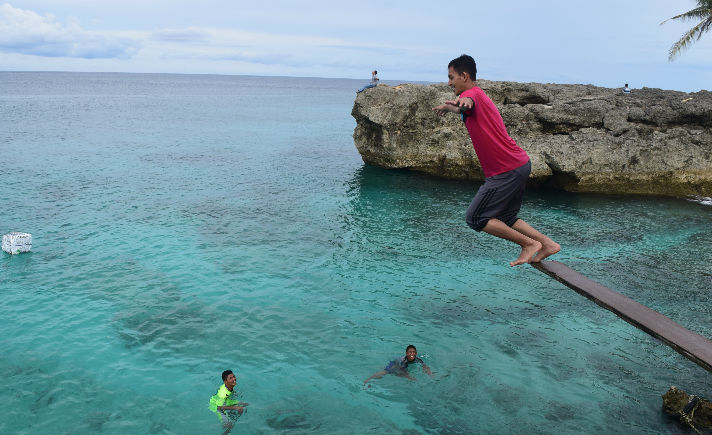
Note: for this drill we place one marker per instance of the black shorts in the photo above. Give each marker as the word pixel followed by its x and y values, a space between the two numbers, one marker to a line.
pixel 499 198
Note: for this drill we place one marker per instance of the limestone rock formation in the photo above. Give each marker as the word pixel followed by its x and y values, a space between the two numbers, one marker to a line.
pixel 580 137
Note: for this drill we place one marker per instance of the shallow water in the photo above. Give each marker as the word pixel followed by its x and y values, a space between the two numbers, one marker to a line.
pixel 183 225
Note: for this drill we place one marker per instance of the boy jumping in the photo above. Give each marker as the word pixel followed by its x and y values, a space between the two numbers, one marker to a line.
pixel 506 166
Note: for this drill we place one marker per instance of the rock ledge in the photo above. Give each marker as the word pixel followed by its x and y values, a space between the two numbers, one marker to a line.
pixel 580 138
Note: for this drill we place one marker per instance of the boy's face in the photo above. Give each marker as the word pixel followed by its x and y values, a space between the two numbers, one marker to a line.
pixel 230 380
pixel 411 354
pixel 458 82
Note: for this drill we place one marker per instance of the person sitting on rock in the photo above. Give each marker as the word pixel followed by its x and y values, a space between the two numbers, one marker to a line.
pixel 506 166
pixel 374 81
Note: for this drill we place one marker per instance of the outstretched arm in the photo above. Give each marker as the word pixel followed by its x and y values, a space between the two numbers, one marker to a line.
pixel 376 375
pixel 458 105
pixel 426 369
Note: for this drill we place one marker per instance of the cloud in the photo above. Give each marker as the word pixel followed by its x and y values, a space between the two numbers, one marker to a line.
pixel 187 35
pixel 51 42
pixel 269 58
pixel 257 48
pixel 371 49
pixel 26 32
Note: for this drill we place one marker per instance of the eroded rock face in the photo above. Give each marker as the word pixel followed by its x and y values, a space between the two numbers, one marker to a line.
pixel 693 411
pixel 580 137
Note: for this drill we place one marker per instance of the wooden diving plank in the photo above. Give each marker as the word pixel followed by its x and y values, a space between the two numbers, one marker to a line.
pixel 691 345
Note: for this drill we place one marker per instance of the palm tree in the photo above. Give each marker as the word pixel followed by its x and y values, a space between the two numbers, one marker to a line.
pixel 703 11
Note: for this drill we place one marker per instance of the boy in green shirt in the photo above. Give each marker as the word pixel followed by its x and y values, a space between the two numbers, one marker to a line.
pixel 222 401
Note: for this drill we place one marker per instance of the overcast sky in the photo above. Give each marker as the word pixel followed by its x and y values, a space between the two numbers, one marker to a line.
pixel 604 42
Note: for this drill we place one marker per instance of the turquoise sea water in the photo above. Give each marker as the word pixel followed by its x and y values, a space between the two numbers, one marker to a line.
pixel 183 225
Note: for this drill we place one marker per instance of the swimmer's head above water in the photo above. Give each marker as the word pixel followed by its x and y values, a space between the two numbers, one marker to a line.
pixel 411 352
pixel 229 379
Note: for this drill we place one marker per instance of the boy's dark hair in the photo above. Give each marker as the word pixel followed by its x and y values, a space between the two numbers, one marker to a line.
pixel 409 346
pixel 464 64
pixel 226 373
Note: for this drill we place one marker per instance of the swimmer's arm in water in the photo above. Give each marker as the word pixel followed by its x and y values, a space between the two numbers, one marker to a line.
pixel 233 407
pixel 376 375
pixel 426 369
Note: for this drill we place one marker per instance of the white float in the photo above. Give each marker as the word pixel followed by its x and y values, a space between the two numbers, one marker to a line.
pixel 16 242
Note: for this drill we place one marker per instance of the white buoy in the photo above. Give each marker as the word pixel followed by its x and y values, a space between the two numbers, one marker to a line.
pixel 16 242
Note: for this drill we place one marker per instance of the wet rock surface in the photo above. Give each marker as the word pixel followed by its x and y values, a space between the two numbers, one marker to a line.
pixel 693 411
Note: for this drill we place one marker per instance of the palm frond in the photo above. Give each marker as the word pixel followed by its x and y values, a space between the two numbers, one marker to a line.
pixel 705 26
pixel 700 13
pixel 683 42
pixel 703 12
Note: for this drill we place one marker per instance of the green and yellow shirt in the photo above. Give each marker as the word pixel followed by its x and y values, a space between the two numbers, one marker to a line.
pixel 222 398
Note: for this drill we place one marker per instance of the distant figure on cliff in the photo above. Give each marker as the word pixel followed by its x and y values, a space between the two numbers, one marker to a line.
pixel 626 89
pixel 506 166
pixel 374 81
pixel 399 366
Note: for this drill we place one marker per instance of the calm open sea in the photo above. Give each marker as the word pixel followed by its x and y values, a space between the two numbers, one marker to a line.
pixel 186 224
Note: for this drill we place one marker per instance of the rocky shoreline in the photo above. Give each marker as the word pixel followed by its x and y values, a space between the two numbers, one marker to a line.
pixel 581 138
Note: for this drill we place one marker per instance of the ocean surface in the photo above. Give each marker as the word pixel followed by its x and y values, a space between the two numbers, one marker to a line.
pixel 187 224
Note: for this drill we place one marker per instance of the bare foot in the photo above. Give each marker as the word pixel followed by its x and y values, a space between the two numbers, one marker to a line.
pixel 548 249
pixel 528 252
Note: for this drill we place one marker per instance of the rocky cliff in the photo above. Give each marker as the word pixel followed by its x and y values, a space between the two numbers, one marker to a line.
pixel 580 137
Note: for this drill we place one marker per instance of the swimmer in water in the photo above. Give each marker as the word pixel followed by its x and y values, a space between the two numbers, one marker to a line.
pixel 223 405
pixel 399 366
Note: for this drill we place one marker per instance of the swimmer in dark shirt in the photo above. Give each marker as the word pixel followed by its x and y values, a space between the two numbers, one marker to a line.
pixel 400 365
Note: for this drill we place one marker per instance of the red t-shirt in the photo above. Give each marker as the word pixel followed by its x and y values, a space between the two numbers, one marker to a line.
pixel 497 151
